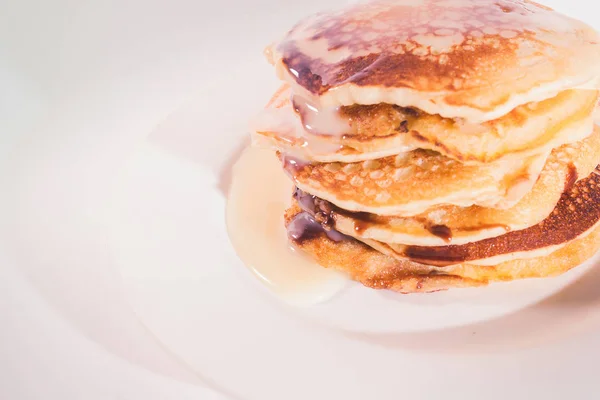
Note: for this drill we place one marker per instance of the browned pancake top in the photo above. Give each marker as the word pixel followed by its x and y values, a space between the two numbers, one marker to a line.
pixel 434 46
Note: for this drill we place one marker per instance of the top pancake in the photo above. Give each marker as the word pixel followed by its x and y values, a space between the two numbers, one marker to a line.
pixel 472 59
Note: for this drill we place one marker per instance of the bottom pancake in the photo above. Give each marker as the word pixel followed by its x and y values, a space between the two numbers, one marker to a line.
pixel 378 271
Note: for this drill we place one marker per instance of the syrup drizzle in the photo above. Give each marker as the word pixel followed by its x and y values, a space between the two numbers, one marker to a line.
pixel 259 195
pixel 320 120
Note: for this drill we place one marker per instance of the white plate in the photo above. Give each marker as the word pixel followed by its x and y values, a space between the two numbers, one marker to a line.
pixel 126 188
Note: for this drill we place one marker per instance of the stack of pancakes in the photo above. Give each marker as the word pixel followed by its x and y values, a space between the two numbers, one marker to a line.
pixel 439 143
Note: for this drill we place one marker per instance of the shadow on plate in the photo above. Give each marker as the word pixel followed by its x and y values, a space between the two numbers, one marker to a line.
pixel 572 311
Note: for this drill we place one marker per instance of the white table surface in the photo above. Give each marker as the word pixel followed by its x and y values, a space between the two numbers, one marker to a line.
pixel 111 70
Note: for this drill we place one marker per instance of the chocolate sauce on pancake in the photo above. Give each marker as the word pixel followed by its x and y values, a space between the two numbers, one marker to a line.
pixel 441 231
pixel 315 219
pixel 362 221
pixel 304 226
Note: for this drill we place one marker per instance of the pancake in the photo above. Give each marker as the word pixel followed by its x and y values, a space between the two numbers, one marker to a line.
pixel 576 214
pixel 379 271
pixel 381 130
pixel 472 59
pixel 458 225
pixel 410 183
pixel 439 143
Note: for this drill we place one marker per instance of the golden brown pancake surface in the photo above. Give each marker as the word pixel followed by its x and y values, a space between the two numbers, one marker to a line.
pixel 459 225
pixel 468 58
pixel 410 183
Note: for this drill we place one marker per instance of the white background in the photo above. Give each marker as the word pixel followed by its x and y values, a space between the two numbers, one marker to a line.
pixel 101 76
